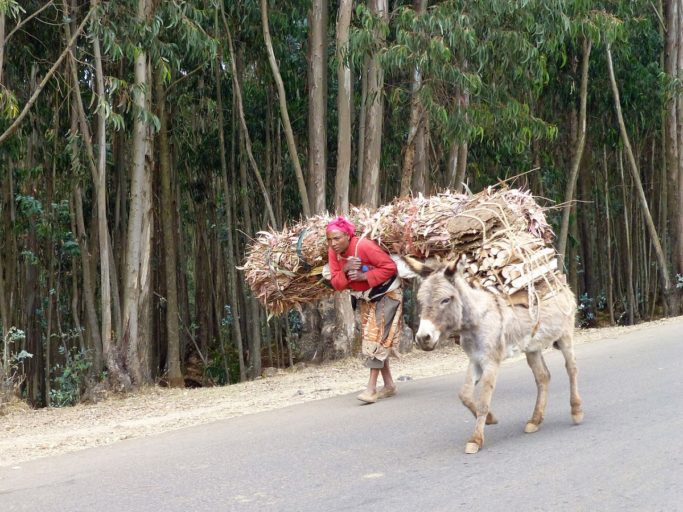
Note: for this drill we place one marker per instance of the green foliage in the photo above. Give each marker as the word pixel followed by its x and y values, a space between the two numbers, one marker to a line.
pixel 9 107
pixel 11 8
pixel 70 378
pixel 502 76
pixel 586 312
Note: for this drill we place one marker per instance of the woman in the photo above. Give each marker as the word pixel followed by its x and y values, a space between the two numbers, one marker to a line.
pixel 363 267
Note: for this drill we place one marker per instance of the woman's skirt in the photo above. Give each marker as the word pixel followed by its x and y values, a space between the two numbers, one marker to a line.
pixel 381 324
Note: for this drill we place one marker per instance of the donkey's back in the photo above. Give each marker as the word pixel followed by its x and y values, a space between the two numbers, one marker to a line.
pixel 540 322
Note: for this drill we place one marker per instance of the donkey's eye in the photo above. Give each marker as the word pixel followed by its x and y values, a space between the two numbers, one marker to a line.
pixel 445 301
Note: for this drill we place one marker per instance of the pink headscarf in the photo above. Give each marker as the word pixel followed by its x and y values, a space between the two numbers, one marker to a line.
pixel 342 224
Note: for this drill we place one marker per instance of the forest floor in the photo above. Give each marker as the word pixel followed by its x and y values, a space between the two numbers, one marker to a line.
pixel 27 434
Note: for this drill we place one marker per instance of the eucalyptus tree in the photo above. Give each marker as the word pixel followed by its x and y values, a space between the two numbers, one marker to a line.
pixel 317 105
pixel 344 107
pixel 284 110
pixel 480 66
pixel 378 20
pixel 673 64
pixel 629 100
pixel 344 317
pixel 635 173
pixel 584 31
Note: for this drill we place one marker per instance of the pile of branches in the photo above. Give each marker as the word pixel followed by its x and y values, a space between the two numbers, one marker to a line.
pixel 502 233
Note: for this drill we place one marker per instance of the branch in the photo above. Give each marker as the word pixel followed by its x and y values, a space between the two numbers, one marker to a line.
pixel 13 127
pixel 28 18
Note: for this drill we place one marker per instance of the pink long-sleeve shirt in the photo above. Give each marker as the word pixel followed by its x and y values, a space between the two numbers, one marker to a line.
pixel 381 266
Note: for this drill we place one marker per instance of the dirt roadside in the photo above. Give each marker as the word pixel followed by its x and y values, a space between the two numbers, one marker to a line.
pixel 27 434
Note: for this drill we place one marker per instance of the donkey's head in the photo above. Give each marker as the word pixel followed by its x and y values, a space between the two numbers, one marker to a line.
pixel 440 301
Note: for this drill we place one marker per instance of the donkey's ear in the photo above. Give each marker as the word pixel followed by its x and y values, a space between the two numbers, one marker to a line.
pixel 418 267
pixel 456 266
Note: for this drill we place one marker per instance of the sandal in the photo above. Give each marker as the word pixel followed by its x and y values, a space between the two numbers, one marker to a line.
pixel 367 397
pixel 386 392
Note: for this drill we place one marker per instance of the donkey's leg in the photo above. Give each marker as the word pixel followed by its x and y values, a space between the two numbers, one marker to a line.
pixel 486 386
pixel 466 394
pixel 566 345
pixel 542 378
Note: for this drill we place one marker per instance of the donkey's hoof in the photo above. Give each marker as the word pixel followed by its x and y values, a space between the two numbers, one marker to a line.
pixel 491 419
pixel 471 448
pixel 577 417
pixel 531 428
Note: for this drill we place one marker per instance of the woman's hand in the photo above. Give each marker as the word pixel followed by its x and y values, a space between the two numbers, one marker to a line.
pixel 353 263
pixel 357 275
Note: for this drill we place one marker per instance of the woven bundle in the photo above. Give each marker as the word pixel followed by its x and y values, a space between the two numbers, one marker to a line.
pixel 502 233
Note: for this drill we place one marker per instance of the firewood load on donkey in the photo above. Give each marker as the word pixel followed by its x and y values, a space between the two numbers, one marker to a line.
pixel 492 327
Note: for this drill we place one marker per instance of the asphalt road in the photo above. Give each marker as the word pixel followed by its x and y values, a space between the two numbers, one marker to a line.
pixel 407 452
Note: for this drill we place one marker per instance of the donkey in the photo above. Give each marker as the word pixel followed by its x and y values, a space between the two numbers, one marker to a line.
pixel 492 328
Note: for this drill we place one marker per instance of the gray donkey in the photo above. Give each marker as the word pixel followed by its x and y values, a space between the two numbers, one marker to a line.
pixel 491 328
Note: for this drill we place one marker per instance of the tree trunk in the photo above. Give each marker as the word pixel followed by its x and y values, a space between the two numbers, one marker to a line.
pixel 229 225
pixel 103 226
pixel 284 113
pixel 251 309
pixel 374 116
pixel 4 303
pixel 671 56
pixel 578 154
pixel 663 270
pixel 245 131
pixel 341 192
pixel 421 181
pixel 416 117
pixel 344 328
pixel 93 328
pixel 631 306
pixel 2 43
pixel 168 214
pixel 590 274
pixel 608 241
pixel 32 292
pixel 678 169
pixel 139 201
pixel 362 127
pixel 118 376
pixel 317 105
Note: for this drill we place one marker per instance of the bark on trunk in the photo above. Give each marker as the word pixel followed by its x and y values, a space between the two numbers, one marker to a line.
pixel 608 241
pixel 678 169
pixel 317 105
pixel 136 243
pixel 341 192
pixel 416 117
pixel 252 308
pixel 227 201
pixel 671 199
pixel 105 338
pixel 2 43
pixel 578 154
pixel 631 306
pixel 93 329
pixel 663 269
pixel 245 131
pixel 374 117
pixel 344 327
pixel 168 216
pixel 284 113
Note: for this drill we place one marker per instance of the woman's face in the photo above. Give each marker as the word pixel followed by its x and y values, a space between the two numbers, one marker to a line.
pixel 338 241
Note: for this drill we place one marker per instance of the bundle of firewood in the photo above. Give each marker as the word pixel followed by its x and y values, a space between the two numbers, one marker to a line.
pixel 502 233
